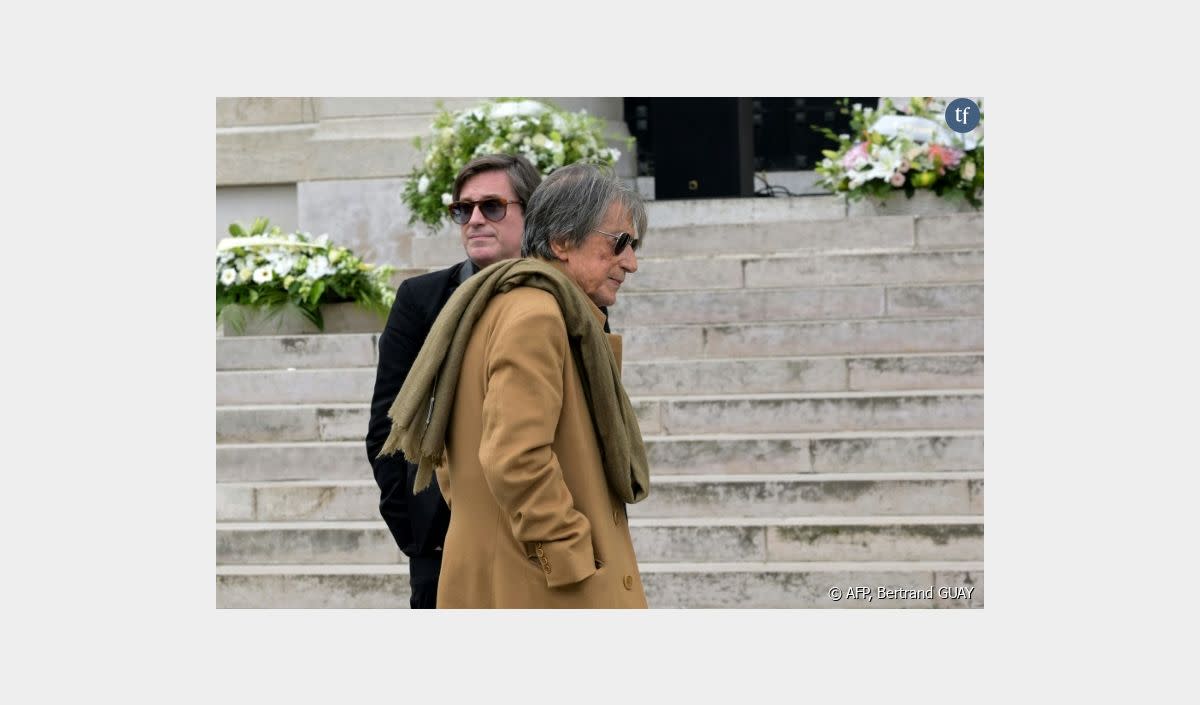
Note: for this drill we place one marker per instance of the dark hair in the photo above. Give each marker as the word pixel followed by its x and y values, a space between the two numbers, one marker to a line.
pixel 570 203
pixel 521 174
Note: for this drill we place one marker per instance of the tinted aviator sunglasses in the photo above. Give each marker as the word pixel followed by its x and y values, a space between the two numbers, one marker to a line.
pixel 494 209
pixel 622 239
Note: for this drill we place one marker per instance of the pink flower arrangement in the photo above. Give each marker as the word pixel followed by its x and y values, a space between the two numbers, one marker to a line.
pixel 857 156
pixel 945 157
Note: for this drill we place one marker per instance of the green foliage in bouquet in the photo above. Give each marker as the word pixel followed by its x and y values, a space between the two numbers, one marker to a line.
pixel 545 135
pixel 262 267
pixel 903 149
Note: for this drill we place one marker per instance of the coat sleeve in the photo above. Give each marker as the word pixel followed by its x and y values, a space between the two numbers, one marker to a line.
pixel 526 353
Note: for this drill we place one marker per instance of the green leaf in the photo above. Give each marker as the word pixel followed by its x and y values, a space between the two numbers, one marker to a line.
pixel 314 296
pixel 235 229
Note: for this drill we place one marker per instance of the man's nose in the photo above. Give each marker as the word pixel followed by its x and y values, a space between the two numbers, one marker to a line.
pixel 629 260
pixel 476 216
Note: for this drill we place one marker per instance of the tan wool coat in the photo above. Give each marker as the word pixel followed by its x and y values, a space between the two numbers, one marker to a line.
pixel 533 522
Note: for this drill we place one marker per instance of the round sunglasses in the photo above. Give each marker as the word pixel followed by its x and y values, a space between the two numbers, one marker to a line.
pixel 622 239
pixel 493 209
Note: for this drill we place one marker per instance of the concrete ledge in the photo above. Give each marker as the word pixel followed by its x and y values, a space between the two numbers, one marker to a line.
pixel 338 318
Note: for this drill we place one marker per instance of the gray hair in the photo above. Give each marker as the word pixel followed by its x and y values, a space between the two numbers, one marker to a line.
pixel 570 203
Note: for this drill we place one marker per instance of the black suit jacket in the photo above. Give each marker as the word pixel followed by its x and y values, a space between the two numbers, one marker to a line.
pixel 418 523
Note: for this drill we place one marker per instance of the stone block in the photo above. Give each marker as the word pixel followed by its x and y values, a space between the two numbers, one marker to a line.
pixel 965 230
pixel 297 386
pixel 864 268
pixel 723 211
pixel 246 112
pixel 746 305
pixel 876 541
pixel 699 543
pixel 925 453
pixel 665 241
pixel 922 203
pixel 700 455
pixel 946 300
pixel 300 352
pixel 648 414
pixel 841 337
pixel 958 589
pixel 314 590
pixel 735 376
pixel 365 215
pixel 297 544
pixel 268 155
pixel 685 273
pixel 235 502
pixel 318 501
pixel 802 496
pixel 344 423
pixel 260 462
pixel 916 372
pixel 266 424
pixel 783 588
pixel 822 414
pixel 660 342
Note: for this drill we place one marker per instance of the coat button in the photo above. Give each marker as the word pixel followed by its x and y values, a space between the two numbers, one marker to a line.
pixel 628 582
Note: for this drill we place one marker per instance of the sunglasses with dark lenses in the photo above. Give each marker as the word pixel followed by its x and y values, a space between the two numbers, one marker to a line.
pixel 622 239
pixel 494 209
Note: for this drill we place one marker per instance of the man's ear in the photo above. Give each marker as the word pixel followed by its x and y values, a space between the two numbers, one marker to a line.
pixel 560 248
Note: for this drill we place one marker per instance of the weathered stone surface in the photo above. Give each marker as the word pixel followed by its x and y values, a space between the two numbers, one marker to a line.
pixel 763 587
pixel 917 372
pixel 660 342
pixel 310 545
pixel 922 203
pixel 270 155
pixel 735 376
pixel 649 415
pixel 440 250
pixel 338 423
pixel 805 496
pixel 948 300
pixel 266 424
pixel 259 462
pixel 365 215
pixel 685 273
pixel 950 230
pixel 321 501
pixel 958 590
pixel 244 112
pixel 831 337
pixel 710 237
pixel 746 305
pixel 898 454
pixel 314 591
pixel 296 386
pixel 300 352
pixel 739 211
pixel 862 541
pixel 235 502
pixel 699 543
pixel 732 456
pixel 864 268
pixel 337 318
pixel 242 204
pixel 814 414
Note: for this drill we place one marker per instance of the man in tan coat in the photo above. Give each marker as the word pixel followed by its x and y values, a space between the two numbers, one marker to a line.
pixel 535 520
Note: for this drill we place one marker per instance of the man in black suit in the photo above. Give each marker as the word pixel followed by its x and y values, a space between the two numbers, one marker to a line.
pixel 488 201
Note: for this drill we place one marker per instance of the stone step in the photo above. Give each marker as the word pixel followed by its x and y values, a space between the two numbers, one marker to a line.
pixel 759 339
pixel 668 455
pixel 850 337
pixel 795 304
pixel 840 494
pixel 807 270
pixel 715 376
pixel 654 540
pixel 765 413
pixel 299 352
pixel 927 584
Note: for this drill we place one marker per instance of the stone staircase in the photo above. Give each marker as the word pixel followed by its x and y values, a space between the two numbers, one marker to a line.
pixel 810 389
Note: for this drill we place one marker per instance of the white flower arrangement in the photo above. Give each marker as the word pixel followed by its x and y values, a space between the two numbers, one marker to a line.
pixel 262 267
pixel 545 135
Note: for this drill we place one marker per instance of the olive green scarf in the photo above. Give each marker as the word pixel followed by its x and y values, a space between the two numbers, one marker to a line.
pixel 421 412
